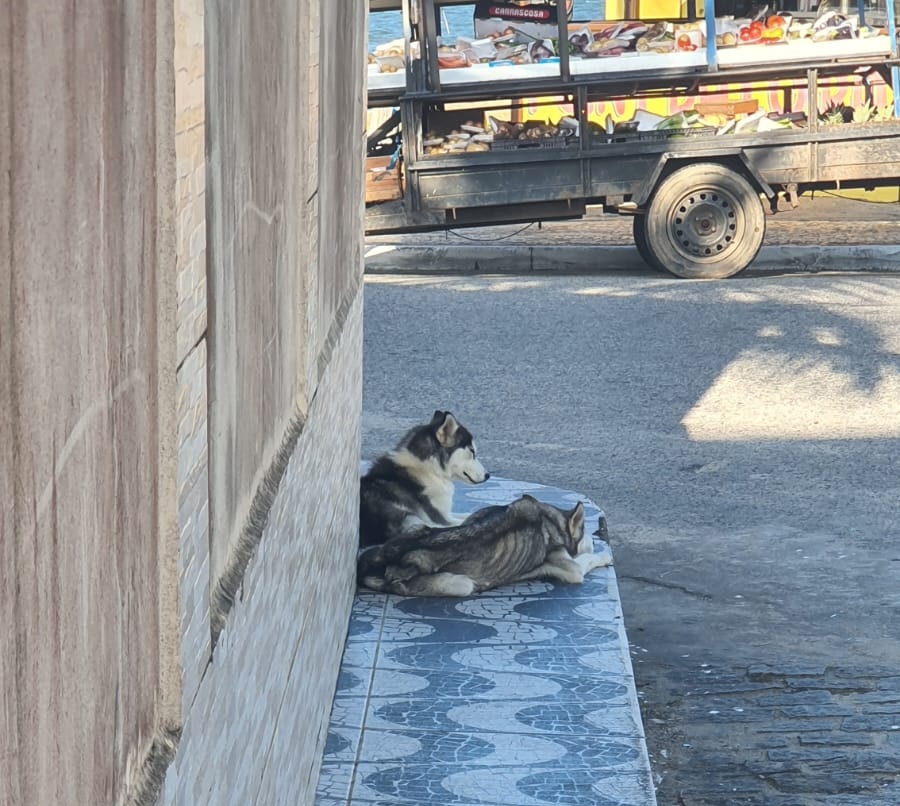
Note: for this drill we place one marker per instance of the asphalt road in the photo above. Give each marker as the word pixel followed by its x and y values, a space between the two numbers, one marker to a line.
pixel 743 439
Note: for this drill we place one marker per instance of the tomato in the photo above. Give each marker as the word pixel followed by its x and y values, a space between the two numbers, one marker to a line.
pixel 745 34
pixel 756 28
pixel 775 21
pixel 684 42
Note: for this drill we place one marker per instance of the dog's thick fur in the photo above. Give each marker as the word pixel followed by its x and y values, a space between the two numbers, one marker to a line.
pixel 495 546
pixel 412 485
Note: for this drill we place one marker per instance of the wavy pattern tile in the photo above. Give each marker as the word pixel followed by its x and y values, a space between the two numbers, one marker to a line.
pixel 521 696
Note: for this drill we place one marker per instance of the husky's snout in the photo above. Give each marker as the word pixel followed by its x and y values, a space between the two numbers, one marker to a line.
pixel 464 465
pixel 471 470
pixel 477 479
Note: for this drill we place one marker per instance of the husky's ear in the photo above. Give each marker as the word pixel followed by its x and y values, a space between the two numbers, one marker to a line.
pixel 438 417
pixel 575 521
pixel 446 431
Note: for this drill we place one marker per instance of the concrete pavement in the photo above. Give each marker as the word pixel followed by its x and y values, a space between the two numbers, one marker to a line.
pixel 742 438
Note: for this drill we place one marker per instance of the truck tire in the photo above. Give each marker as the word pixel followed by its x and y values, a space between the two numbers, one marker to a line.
pixel 704 221
pixel 639 231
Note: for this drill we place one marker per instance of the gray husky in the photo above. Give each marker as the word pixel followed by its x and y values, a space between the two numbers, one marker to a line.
pixel 494 546
pixel 413 484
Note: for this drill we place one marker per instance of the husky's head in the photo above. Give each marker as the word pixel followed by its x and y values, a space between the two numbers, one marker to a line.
pixel 574 528
pixel 448 444
pixel 565 528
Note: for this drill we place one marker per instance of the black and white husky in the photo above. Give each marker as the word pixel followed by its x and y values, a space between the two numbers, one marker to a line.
pixel 412 486
pixel 495 546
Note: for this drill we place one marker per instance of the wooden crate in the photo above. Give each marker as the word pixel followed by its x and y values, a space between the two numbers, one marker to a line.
pixel 383 185
pixel 730 108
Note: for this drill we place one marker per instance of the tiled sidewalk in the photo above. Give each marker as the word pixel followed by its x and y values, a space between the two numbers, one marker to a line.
pixel 521 696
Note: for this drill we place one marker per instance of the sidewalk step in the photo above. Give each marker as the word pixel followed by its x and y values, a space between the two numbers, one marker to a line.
pixel 520 259
pixel 521 696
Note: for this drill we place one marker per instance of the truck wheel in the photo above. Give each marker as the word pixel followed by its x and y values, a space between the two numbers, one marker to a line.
pixel 704 221
pixel 639 231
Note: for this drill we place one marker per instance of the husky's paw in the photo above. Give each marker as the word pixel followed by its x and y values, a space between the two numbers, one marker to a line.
pixel 370 563
pixel 374 583
pixel 395 574
pixel 421 560
pixel 588 562
pixel 443 584
pixel 452 585
pixel 565 570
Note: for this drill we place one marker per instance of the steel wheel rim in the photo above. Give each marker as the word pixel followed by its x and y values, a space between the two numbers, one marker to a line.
pixel 705 224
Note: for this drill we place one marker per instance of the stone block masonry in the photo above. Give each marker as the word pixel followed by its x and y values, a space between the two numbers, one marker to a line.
pixel 789 734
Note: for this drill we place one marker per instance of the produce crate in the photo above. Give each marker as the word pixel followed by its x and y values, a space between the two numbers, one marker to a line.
pixel 730 108
pixel 383 185
pixel 537 143
pixel 446 120
pixel 666 134
pixel 793 117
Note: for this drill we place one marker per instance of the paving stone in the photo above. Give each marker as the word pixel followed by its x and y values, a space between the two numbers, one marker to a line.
pixel 880 695
pixel 833 684
pixel 767 767
pixel 798 726
pixel 766 672
pixel 767 742
pixel 876 798
pixel 871 723
pixel 882 708
pixel 730 716
pixel 732 799
pixel 794 740
pixel 860 672
pixel 816 784
pixel 794 698
pixel 738 687
pixel 859 761
pixel 823 709
pixel 725 790
pixel 812 754
pixel 834 738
